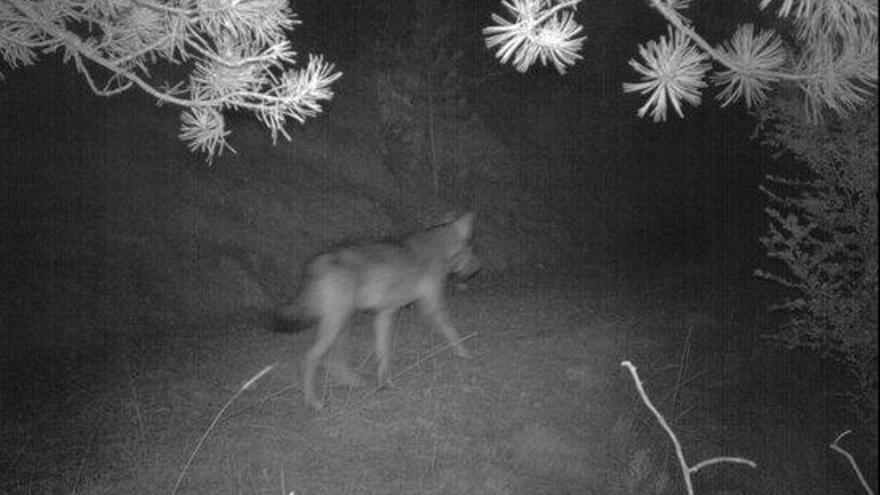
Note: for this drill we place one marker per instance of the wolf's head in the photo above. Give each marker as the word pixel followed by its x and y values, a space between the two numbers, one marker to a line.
pixel 447 247
pixel 462 261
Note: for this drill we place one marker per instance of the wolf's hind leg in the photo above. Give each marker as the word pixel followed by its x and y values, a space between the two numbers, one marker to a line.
pixel 382 328
pixel 336 363
pixel 328 330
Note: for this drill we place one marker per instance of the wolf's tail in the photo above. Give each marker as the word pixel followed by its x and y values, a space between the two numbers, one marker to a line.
pixel 290 319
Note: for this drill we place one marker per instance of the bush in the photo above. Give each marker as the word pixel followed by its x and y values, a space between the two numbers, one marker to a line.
pixel 824 231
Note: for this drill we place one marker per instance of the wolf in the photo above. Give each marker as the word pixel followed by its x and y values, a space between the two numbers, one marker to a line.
pixel 379 277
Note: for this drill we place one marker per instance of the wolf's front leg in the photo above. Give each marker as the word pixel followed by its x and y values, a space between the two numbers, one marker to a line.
pixel 433 309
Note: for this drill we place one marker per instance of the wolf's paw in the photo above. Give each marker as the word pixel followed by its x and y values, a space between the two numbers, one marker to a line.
pixel 314 403
pixel 348 378
pixel 387 384
pixel 461 352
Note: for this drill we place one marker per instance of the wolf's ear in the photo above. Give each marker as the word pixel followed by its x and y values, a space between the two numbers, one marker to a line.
pixel 448 217
pixel 465 225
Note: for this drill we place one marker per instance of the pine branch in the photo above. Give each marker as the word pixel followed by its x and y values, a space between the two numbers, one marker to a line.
pixel 239 48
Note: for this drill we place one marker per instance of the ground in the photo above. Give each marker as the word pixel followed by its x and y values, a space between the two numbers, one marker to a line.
pixel 544 407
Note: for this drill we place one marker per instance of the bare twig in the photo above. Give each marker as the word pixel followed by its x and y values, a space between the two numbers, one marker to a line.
pixel 192 456
pixel 835 446
pixel 686 470
pixel 683 363
pixel 135 401
pixel 427 356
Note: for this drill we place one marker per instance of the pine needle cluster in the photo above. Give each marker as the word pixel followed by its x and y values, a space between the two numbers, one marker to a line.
pixel 237 50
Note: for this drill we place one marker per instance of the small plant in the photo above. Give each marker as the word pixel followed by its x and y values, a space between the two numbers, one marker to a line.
pixel 238 52
pixel 687 471
pixel 247 385
pixel 835 446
